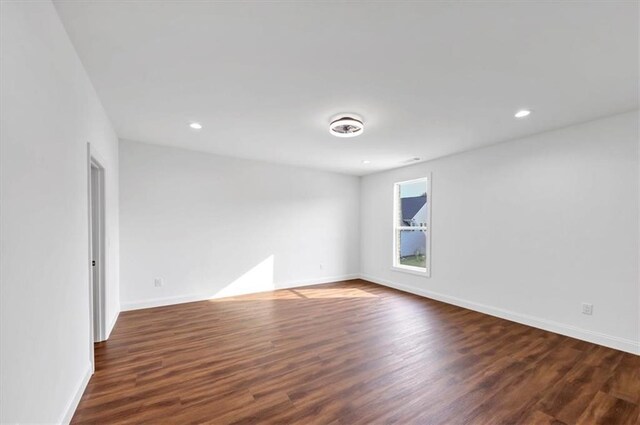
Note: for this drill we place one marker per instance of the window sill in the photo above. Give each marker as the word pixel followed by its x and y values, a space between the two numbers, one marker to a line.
pixel 411 270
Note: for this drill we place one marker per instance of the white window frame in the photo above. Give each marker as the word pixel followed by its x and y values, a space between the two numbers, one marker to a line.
pixel 397 227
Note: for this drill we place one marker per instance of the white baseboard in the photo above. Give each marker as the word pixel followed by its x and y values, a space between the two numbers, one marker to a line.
pixel 623 344
pixel 73 403
pixel 111 325
pixel 75 400
pixel 159 302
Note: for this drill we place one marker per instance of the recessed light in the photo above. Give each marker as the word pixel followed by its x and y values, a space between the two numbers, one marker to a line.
pixel 346 125
pixel 195 125
pixel 522 113
pixel 366 161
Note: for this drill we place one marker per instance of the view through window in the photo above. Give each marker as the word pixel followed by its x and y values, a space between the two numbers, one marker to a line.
pixel 412 225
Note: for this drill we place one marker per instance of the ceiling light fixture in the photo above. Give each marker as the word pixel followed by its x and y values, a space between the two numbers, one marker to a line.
pixel 195 125
pixel 366 161
pixel 346 125
pixel 522 113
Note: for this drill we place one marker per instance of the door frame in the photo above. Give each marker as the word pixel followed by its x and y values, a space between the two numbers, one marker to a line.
pixel 97 297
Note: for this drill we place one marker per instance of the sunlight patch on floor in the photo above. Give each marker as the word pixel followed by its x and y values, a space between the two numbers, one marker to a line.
pixel 300 294
pixel 334 293
pixel 282 294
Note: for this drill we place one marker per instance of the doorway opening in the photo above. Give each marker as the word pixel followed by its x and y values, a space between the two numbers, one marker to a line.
pixel 96 251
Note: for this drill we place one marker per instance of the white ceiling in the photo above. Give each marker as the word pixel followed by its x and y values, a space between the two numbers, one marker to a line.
pixel 430 78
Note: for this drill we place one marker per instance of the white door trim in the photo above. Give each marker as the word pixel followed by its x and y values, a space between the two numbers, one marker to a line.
pixel 96 297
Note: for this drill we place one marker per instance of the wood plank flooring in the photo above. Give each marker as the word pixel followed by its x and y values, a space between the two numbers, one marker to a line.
pixel 350 353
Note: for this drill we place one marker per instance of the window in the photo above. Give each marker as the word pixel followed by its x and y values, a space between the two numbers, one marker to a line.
pixel 412 226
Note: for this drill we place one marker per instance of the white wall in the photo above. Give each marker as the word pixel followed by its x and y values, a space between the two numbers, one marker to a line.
pixel 528 230
pixel 49 113
pixel 212 226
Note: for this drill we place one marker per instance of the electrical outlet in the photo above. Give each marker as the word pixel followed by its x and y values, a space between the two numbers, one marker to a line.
pixel 157 282
pixel 587 308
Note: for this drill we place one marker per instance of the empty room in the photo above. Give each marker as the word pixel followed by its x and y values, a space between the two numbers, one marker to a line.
pixel 320 212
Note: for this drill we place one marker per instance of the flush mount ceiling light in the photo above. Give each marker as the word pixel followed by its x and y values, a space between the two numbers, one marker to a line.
pixel 522 113
pixel 346 125
pixel 195 125
pixel 366 161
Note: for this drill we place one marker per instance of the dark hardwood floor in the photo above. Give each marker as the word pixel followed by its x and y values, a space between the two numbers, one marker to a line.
pixel 350 353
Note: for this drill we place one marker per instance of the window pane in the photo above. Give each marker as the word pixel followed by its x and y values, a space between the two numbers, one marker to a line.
pixel 413 204
pixel 412 247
